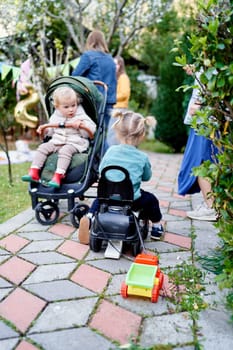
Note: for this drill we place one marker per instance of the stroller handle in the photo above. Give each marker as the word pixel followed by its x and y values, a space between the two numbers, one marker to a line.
pixel 101 83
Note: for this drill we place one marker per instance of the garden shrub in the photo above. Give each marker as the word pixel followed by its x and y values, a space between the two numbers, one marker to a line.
pixel 212 53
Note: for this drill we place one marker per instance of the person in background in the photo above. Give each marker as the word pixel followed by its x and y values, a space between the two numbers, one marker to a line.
pixel 123 95
pixel 96 63
pixel 70 129
pixel 130 129
pixel 198 149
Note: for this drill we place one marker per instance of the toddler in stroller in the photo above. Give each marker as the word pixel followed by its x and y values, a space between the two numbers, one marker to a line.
pixel 122 193
pixel 67 165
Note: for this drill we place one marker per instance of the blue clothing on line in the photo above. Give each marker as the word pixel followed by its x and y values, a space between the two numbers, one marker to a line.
pixel 198 150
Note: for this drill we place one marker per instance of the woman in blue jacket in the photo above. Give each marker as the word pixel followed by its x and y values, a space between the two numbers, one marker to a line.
pixel 96 63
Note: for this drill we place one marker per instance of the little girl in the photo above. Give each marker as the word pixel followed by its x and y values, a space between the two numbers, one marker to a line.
pixel 130 130
pixel 70 128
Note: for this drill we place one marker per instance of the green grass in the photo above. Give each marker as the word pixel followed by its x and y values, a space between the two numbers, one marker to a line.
pixel 14 198
pixel 155 146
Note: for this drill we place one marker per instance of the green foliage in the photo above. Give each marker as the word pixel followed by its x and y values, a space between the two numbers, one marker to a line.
pixel 15 198
pixel 167 107
pixel 212 52
pixel 139 101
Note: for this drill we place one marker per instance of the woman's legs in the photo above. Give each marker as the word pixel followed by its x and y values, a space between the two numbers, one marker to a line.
pixel 206 191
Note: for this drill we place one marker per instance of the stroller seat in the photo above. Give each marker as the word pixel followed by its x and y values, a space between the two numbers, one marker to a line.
pixel 115 219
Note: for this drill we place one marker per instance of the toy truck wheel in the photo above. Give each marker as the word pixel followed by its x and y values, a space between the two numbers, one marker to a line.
pixel 155 294
pixel 161 279
pixel 124 290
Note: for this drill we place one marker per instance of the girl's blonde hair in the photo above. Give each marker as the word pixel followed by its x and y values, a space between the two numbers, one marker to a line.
pixel 131 127
pixel 96 41
pixel 65 92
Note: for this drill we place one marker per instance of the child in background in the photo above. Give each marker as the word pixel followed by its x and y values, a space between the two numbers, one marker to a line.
pixel 70 129
pixel 130 130
pixel 123 95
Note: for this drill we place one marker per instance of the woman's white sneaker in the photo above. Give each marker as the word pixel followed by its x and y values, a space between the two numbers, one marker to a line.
pixel 202 213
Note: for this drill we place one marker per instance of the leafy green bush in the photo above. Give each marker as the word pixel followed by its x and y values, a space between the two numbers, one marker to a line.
pixel 212 52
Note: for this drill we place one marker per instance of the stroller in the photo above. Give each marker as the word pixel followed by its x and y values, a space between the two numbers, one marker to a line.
pixel 83 170
pixel 115 220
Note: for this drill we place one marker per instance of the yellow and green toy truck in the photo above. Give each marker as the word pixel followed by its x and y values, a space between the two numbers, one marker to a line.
pixel 144 278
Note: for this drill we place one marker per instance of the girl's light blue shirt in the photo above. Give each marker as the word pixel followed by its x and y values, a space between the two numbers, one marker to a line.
pixel 129 157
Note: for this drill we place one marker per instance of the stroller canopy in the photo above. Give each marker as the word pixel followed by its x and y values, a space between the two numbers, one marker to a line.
pixel 92 98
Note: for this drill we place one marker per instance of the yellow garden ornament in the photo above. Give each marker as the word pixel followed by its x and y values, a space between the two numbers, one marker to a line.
pixel 26 88
pixel 21 109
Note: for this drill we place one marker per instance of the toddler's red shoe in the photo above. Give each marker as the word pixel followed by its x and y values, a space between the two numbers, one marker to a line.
pixel 56 180
pixel 33 175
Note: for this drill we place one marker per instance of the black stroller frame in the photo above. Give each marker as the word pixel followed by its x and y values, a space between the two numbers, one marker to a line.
pixel 44 199
pixel 115 219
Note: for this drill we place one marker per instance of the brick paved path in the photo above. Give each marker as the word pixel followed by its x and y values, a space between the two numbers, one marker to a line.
pixel 56 294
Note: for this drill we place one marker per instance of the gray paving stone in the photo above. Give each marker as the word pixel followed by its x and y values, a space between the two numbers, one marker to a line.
pixel 72 339
pixel 173 329
pixel 162 247
pixel 173 259
pixel 59 290
pixel 64 314
pixel 3 252
pixel 8 344
pixel 6 331
pixel 41 246
pixel 217 330
pixel 15 222
pixel 3 258
pixel 4 283
pixel 33 226
pixel 46 258
pixel 142 306
pixel 38 236
pixel 115 284
pixel 112 266
pixel 4 292
pixel 179 227
pixel 47 273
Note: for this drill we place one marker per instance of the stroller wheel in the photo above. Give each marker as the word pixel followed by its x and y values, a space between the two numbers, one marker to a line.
pixel 47 213
pixel 136 248
pixel 95 244
pixel 77 213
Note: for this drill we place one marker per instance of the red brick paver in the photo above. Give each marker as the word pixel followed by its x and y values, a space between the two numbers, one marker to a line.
pixel 21 308
pixel 24 345
pixel 73 249
pixel 13 243
pixel 16 269
pixel 177 212
pixel 181 241
pixel 62 230
pixel 91 278
pixel 116 323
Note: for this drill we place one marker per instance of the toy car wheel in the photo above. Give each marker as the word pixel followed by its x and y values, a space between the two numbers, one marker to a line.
pixel 95 244
pixel 136 248
pixel 155 294
pixel 77 213
pixel 124 290
pixel 47 213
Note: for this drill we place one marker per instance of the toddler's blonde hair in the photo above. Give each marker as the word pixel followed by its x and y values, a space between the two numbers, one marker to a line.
pixel 131 127
pixel 65 92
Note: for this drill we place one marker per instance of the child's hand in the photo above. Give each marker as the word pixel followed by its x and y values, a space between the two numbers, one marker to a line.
pixel 40 129
pixel 76 124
